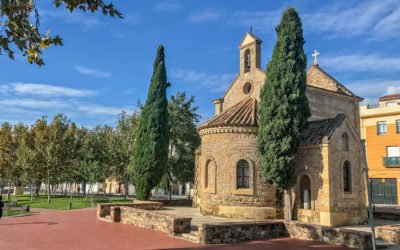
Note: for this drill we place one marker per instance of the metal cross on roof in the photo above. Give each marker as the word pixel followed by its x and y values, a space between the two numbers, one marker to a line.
pixel 315 55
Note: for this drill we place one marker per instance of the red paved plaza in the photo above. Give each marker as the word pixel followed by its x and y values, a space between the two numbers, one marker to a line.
pixel 80 229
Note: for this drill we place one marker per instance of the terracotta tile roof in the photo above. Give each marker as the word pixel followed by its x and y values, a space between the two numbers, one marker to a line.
pixel 317 130
pixel 242 114
pixel 317 77
pixel 389 97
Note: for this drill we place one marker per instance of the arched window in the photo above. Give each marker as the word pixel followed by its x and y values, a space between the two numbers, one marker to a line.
pixel 206 175
pixel 305 192
pixel 346 177
pixel 345 141
pixel 242 173
pixel 247 60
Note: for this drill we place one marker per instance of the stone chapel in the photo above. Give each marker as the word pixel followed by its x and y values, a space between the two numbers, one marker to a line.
pixel 330 188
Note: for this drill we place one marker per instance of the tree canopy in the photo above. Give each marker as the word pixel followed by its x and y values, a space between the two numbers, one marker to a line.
pixel 284 107
pixel 150 153
pixel 20 25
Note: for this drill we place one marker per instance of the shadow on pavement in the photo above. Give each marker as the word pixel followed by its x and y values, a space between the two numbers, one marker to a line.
pixel 28 223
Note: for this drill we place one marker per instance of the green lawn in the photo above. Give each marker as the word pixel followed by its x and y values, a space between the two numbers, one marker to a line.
pixel 60 202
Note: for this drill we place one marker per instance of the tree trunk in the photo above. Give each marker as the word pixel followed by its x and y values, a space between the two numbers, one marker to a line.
pixel 169 190
pixel 87 193
pixel 84 188
pixel 126 187
pixel 289 204
pixel 31 190
pixel 48 186
pixel 8 190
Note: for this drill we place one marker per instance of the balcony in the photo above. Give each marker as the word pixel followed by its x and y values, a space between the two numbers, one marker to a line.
pixel 391 161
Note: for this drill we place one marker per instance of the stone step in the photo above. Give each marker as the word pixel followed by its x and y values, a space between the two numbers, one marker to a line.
pixel 192 236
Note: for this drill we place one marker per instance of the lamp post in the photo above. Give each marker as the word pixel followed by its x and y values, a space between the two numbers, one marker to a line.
pixel 371 213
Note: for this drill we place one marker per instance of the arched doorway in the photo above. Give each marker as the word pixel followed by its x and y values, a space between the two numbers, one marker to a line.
pixel 305 192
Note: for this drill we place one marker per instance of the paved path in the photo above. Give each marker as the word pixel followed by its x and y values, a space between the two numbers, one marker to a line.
pixel 80 229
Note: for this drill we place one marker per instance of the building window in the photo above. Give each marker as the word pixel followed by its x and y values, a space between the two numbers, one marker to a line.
pixel 242 173
pixel 382 128
pixel 206 175
pixel 345 141
pixel 347 177
pixel 398 126
pixel 247 60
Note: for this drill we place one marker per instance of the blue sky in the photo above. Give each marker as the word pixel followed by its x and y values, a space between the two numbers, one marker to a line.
pixel 106 63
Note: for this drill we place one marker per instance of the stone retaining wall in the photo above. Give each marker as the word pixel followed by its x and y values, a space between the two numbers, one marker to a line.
pixel 386 214
pixel 337 236
pixel 104 209
pixel 176 203
pixel 389 233
pixel 216 233
pixel 155 220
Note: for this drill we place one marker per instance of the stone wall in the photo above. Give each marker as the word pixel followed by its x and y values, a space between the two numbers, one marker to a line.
pixel 155 220
pixel 337 236
pixel 347 208
pixel 221 196
pixel 235 93
pixel 104 209
pixel 176 203
pixel 217 233
pixel 390 233
pixel 324 104
pixel 310 162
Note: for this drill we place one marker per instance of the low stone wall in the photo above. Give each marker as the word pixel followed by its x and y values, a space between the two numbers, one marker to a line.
pixel 230 232
pixel 155 220
pixel 386 214
pixel 389 233
pixel 104 209
pixel 216 233
pixel 176 203
pixel 337 236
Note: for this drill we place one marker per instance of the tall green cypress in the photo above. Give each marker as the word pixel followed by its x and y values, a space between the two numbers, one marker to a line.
pixel 283 107
pixel 150 153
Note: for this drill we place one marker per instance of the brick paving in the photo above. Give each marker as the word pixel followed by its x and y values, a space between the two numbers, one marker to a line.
pixel 80 229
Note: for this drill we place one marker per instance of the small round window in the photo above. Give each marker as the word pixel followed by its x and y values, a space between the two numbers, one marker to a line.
pixel 247 88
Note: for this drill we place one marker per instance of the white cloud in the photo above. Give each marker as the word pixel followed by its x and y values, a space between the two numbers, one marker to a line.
pixel 31 103
pixel 85 20
pixel 261 21
pixel 168 6
pixel 361 63
pixel 393 89
pixel 44 90
pixel 372 89
pixel 95 109
pixel 206 15
pixel 377 19
pixel 214 82
pixel 92 72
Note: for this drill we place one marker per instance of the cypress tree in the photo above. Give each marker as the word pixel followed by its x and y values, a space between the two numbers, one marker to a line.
pixel 150 153
pixel 283 106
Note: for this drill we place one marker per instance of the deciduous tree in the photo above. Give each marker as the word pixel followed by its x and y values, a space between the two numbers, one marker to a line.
pixel 184 139
pixel 20 25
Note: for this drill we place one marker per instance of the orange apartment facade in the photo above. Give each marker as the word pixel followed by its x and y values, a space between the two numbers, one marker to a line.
pixel 380 127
